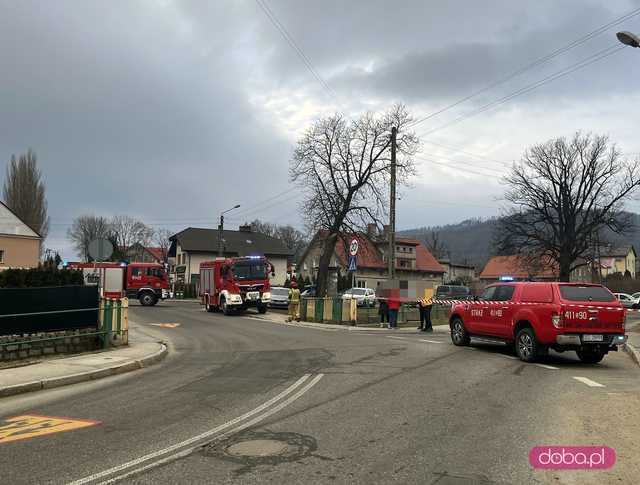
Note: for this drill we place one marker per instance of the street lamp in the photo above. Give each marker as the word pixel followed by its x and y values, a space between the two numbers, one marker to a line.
pixel 628 38
pixel 221 228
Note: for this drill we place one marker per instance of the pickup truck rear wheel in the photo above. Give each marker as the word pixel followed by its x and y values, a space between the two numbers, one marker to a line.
pixel 590 356
pixel 459 335
pixel 526 345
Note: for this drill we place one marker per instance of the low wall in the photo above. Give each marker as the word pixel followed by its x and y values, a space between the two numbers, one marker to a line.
pixel 111 329
pixel 14 347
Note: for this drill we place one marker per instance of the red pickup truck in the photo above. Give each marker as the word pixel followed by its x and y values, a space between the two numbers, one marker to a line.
pixel 541 316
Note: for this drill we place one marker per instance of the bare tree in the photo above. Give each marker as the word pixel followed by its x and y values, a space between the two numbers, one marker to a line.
pixel 24 192
pixel 563 192
pixel 127 232
pixel 85 229
pixel 435 245
pixel 161 240
pixel 342 167
pixel 292 238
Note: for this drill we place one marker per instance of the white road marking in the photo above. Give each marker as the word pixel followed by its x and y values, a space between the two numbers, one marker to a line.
pixel 206 434
pixel 243 426
pixel 399 338
pixel 545 366
pixel 510 357
pixel 588 382
pixel 430 341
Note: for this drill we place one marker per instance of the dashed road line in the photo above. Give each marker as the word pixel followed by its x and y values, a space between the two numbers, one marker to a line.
pixel 588 382
pixel 550 367
pixel 430 341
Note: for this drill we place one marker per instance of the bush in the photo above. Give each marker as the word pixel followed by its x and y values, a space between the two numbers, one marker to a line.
pixel 39 277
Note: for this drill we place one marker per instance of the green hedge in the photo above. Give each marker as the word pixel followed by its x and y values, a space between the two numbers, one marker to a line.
pixel 39 277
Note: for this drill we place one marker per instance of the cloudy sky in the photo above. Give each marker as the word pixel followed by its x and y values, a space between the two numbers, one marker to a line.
pixel 172 111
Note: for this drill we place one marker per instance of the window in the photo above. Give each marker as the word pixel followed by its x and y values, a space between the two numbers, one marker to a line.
pixel 504 293
pixel 361 284
pixel 1 255
pixel 585 293
pixel 136 271
pixel 157 272
pixel 489 293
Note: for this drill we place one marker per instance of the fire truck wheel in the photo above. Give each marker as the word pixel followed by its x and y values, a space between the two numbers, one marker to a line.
pixel 224 307
pixel 148 299
pixel 262 308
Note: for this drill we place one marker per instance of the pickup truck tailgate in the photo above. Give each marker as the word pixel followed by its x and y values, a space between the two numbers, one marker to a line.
pixel 590 308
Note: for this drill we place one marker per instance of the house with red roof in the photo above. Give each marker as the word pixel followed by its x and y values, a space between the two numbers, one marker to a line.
pixel 515 268
pixel 414 262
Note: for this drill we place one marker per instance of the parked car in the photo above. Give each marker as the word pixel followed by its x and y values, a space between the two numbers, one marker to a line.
pixel 363 296
pixel 627 300
pixel 536 317
pixel 452 292
pixel 279 297
pixel 308 292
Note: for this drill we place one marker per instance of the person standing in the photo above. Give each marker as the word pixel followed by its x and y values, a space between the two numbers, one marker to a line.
pixel 383 311
pixel 294 302
pixel 424 306
pixel 394 306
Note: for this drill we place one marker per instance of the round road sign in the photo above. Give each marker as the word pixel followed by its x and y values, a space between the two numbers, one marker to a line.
pixel 100 249
pixel 353 248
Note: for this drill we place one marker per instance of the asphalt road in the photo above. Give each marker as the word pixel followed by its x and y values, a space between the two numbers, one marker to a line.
pixel 243 400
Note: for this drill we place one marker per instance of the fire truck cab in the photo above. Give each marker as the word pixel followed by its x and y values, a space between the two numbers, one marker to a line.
pixel 234 284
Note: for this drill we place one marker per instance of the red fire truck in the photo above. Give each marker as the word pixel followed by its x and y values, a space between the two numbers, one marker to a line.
pixel 148 282
pixel 228 284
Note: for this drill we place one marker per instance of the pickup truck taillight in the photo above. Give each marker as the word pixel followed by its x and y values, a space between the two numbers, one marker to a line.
pixel 556 319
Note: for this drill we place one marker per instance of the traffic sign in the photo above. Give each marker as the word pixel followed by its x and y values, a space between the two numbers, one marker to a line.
pixel 353 248
pixel 353 263
pixel 100 249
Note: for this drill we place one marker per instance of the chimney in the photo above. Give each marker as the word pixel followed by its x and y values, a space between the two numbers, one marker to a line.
pixel 372 230
pixel 385 232
pixel 245 228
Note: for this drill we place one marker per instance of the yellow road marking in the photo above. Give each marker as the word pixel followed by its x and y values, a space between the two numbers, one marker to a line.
pixel 29 426
pixel 166 325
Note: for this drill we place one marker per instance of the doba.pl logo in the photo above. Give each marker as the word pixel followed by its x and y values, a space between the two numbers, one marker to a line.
pixel 572 457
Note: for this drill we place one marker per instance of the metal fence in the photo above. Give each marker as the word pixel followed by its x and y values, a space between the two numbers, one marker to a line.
pixel 337 310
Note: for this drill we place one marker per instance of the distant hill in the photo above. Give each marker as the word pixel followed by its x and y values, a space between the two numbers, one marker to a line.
pixel 470 241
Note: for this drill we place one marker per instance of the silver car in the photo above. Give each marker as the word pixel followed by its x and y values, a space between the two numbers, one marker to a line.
pixel 627 300
pixel 279 297
pixel 363 296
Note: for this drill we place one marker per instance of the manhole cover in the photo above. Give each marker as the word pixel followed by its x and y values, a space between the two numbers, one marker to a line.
pixel 253 448
pixel 257 448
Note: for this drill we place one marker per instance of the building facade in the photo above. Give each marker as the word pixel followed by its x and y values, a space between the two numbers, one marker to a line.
pixel 457 271
pixel 19 244
pixel 193 246
pixel 413 261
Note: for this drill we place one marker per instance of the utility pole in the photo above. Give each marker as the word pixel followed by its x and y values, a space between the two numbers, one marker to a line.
pixel 221 229
pixel 392 208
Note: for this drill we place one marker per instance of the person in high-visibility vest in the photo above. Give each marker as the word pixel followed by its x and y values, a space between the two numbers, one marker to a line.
pixel 294 302
pixel 424 305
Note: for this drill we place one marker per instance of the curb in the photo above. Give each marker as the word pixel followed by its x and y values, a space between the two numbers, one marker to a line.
pixel 85 376
pixel 633 352
pixel 346 328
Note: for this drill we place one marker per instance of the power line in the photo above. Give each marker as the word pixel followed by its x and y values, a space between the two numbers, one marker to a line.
pixel 461 162
pixel 533 64
pixel 526 89
pixel 454 149
pixel 465 170
pixel 289 39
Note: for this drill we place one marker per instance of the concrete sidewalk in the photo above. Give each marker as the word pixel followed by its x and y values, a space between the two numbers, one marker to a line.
pixel 281 319
pixel 142 351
